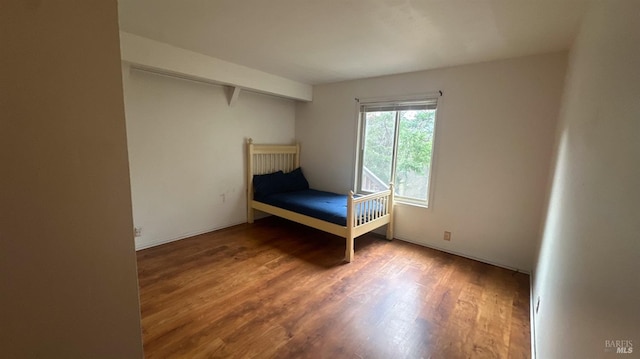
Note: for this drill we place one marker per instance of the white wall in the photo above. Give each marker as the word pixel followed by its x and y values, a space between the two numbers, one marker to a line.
pixel 68 279
pixel 186 150
pixel 587 274
pixel 494 138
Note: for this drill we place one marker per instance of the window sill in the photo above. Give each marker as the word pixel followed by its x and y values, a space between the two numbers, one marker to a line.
pixel 410 204
pixel 400 201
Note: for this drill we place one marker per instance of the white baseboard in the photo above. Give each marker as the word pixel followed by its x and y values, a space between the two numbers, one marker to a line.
pixel 465 255
pixel 156 242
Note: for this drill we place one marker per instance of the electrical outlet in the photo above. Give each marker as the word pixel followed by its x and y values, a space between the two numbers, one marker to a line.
pixel 137 231
pixel 447 236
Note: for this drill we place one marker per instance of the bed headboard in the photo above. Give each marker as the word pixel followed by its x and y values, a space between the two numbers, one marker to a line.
pixel 262 159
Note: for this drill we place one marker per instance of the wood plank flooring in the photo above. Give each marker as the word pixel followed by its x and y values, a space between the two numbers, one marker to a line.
pixel 276 289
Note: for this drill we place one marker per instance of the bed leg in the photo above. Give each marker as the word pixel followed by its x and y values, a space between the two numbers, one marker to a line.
pixel 390 231
pixel 390 211
pixel 250 215
pixel 351 222
pixel 348 255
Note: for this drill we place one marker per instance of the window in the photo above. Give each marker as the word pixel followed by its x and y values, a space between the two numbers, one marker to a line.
pixel 396 146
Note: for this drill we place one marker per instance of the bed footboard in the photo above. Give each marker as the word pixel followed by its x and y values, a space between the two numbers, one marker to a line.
pixel 366 213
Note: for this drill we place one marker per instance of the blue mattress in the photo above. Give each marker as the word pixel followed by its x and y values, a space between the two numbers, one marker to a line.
pixel 327 206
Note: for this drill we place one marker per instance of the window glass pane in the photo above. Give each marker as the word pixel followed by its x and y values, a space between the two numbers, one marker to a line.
pixel 415 144
pixel 410 124
pixel 378 150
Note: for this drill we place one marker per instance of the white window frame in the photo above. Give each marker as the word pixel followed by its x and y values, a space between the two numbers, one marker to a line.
pixel 399 101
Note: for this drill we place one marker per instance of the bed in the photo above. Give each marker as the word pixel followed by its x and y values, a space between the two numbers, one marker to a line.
pixel 276 185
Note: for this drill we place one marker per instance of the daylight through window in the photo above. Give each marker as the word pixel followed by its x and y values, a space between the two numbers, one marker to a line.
pixel 396 146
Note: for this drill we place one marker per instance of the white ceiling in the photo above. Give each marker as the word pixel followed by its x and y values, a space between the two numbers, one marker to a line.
pixel 321 41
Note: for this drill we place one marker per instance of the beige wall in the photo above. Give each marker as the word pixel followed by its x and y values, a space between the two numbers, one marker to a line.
pixel 494 137
pixel 186 150
pixel 68 286
pixel 587 274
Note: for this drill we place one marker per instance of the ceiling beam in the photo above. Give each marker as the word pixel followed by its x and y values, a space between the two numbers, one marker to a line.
pixel 151 55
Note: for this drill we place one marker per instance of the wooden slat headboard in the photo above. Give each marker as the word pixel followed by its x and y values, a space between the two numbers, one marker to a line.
pixel 262 159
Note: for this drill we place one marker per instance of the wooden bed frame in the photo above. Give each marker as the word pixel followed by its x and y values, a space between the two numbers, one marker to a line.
pixel 364 213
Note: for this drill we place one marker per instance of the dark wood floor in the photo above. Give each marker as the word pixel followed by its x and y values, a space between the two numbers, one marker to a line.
pixel 276 289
